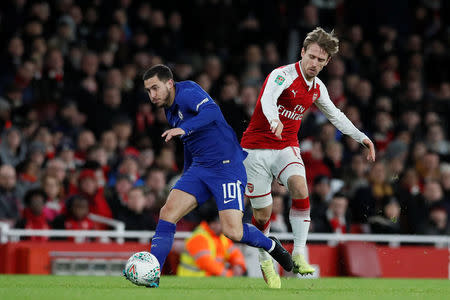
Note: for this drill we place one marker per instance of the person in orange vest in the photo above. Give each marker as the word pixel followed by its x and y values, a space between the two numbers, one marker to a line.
pixel 210 253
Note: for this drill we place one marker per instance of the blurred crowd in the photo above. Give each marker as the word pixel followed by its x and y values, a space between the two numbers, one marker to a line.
pixel 79 135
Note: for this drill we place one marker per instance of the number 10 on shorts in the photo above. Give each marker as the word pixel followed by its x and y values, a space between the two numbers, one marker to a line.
pixel 231 190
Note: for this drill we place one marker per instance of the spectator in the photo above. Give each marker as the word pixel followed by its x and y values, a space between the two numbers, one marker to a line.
pixel 146 159
pixel 10 203
pixel 90 190
pixel 128 166
pixel 156 181
pixel 314 162
pixel 13 150
pixel 367 201
pixel 85 139
pixel 418 208
pixel 389 221
pixel 33 214
pixel 355 175
pixel 66 152
pixel 320 196
pixel 335 218
pixel 436 139
pixel 58 169
pixel 54 194
pixel 28 177
pixel 437 223
pixel 76 216
pixel 209 253
pixel 122 127
pixel 117 194
pixel 108 141
pixel 428 166
pixel 108 111
pixel 333 158
pixel 134 214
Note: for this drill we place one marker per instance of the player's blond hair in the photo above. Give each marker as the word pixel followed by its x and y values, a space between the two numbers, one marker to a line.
pixel 327 41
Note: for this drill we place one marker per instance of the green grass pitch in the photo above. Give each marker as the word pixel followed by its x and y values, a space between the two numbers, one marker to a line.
pixel 109 288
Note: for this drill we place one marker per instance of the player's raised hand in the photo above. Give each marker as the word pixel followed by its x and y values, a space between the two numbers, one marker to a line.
pixel 169 134
pixel 371 155
pixel 276 127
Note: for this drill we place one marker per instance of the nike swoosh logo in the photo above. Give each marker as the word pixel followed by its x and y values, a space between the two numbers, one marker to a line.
pixel 226 201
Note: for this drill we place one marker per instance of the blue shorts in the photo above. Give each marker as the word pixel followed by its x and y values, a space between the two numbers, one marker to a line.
pixel 226 183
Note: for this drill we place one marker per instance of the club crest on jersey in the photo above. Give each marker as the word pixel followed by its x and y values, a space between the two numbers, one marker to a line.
pixel 180 115
pixel 250 187
pixel 279 80
pixel 315 96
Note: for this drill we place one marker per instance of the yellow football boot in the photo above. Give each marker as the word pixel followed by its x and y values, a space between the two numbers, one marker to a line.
pixel 270 276
pixel 301 266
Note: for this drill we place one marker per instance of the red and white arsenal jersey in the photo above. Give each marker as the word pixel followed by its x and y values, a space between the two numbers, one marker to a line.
pixel 285 96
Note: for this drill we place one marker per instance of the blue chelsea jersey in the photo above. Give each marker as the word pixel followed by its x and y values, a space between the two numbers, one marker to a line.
pixel 208 139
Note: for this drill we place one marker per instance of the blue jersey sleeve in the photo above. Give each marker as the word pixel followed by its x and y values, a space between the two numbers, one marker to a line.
pixel 202 106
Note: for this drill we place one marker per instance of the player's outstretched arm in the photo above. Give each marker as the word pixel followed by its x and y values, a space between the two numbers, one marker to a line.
pixel 371 155
pixel 169 134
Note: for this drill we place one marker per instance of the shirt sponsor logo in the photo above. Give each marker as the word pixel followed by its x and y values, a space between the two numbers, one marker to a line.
pixel 279 80
pixel 295 115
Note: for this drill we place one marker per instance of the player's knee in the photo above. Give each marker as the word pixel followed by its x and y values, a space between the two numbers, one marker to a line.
pixel 299 193
pixel 297 187
pixel 167 214
pixel 261 218
pixel 233 232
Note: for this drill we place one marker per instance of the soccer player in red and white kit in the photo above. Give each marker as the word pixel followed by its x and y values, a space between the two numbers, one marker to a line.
pixel 272 143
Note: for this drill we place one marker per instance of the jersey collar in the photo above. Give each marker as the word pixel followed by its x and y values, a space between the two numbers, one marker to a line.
pixel 309 84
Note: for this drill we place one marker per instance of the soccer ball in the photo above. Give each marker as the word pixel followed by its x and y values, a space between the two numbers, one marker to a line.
pixel 143 268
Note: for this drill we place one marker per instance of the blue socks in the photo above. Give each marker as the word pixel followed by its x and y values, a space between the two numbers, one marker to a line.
pixel 162 241
pixel 252 236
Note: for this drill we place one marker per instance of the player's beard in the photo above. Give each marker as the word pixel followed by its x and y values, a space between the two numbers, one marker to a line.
pixel 167 99
pixel 164 102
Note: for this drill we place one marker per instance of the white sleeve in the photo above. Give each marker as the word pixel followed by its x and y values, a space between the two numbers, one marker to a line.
pixel 278 81
pixel 336 116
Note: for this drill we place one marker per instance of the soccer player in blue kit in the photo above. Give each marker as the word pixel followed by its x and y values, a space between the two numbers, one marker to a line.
pixel 213 165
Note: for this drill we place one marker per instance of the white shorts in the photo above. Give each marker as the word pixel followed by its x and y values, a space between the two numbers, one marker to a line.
pixel 263 165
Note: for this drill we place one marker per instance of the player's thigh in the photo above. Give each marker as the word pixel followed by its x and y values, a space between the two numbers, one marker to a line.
pixel 178 204
pixel 231 221
pixel 190 188
pixel 289 163
pixel 259 177
pixel 226 183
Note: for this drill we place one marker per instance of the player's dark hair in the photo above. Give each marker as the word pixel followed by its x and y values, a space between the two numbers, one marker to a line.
pixel 163 73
